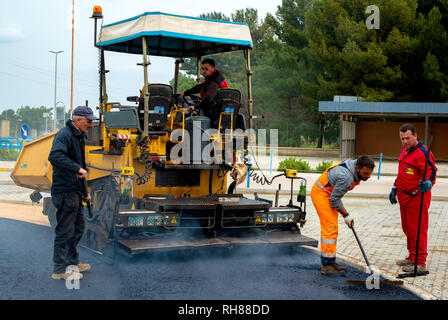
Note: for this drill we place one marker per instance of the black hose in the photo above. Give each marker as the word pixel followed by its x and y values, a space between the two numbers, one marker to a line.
pixel 263 180
pixel 210 182
pixel 104 169
pixel 144 157
pixel 231 187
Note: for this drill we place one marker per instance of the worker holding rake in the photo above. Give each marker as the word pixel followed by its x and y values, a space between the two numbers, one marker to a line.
pixel 416 176
pixel 326 195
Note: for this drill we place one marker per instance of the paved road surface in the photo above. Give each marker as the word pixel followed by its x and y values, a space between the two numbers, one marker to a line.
pixel 25 268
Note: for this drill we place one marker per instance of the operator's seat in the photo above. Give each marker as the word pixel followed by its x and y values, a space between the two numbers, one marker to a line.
pixel 227 105
pixel 160 101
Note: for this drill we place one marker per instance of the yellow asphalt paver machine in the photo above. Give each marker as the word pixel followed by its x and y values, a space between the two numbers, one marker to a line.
pixel 158 172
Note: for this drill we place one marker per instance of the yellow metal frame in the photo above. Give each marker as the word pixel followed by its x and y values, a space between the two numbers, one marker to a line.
pixel 231 124
pixel 172 124
pixel 32 169
pixel 291 173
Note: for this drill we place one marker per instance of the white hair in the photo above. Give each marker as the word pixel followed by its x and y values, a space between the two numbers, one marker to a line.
pixel 74 118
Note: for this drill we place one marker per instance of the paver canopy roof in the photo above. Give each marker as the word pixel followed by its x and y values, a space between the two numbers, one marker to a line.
pixel 174 36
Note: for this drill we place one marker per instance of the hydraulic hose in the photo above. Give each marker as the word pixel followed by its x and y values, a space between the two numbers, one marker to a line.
pixel 257 178
pixel 104 169
pixel 144 157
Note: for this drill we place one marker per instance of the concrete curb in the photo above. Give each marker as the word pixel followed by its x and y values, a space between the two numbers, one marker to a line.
pixel 5 182
pixel 262 191
pixel 359 265
pixel 306 152
pixel 27 202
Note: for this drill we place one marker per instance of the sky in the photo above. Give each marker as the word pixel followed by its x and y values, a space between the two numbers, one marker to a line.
pixel 30 29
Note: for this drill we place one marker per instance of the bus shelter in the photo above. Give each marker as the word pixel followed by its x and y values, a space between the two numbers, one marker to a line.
pixel 372 128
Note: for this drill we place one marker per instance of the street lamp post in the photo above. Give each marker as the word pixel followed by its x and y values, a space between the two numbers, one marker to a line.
pixel 55 84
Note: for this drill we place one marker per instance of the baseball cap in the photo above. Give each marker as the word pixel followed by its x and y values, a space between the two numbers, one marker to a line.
pixel 84 111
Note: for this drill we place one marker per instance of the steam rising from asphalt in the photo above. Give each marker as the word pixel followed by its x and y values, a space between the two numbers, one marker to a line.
pixel 207 269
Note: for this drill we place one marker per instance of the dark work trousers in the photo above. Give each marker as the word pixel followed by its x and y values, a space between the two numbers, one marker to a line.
pixel 69 229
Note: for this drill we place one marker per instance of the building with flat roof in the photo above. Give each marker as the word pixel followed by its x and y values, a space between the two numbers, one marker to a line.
pixel 372 128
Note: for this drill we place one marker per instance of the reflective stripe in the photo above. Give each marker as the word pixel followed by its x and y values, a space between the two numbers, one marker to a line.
pixel 328 255
pixel 321 186
pixel 328 241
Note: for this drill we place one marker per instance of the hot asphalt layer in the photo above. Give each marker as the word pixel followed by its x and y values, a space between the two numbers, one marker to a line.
pixel 25 269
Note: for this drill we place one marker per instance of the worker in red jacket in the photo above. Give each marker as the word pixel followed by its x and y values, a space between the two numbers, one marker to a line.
pixel 408 186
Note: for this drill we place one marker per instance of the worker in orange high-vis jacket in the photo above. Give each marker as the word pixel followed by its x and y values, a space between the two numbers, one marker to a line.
pixel 326 195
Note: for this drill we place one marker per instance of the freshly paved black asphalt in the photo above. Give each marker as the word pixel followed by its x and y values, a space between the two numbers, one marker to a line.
pixel 25 270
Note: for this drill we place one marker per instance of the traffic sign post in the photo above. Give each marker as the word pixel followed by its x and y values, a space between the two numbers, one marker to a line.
pixel 24 131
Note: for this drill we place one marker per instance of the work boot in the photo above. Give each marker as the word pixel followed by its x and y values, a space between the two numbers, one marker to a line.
pixel 66 275
pixel 404 262
pixel 83 267
pixel 338 267
pixel 410 268
pixel 331 270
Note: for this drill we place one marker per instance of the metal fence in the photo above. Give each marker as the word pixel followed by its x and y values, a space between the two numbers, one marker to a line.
pixel 13 143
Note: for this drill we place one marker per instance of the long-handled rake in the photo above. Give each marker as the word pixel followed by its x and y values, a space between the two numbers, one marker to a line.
pixel 382 282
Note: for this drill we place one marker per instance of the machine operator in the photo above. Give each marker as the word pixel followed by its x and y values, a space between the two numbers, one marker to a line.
pixel 208 89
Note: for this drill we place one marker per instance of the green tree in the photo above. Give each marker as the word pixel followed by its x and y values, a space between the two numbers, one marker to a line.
pixel 298 69
pixel 33 117
pixel 312 50
pixel 67 115
pixel 276 92
pixel 10 115
pixel 185 82
pixel 434 50
pixel 232 64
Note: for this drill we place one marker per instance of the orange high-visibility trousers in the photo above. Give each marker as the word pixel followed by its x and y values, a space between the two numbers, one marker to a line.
pixel 328 223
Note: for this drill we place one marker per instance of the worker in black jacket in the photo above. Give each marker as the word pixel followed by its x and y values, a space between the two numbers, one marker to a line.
pixel 67 157
pixel 208 89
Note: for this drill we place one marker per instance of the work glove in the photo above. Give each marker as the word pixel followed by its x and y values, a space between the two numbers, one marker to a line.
pixel 349 221
pixel 393 195
pixel 424 186
pixel 239 173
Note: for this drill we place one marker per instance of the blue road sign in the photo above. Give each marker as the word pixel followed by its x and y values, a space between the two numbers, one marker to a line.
pixel 24 131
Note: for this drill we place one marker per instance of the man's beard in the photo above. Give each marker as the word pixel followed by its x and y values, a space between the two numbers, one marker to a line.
pixel 359 177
